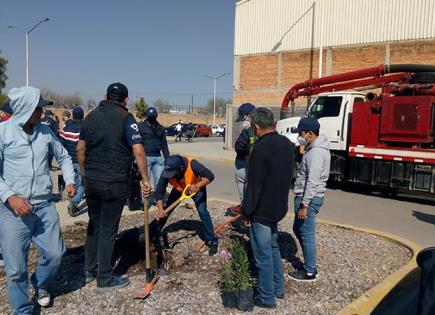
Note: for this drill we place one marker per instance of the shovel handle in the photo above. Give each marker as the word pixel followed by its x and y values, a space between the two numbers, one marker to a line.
pixel 146 234
pixel 178 201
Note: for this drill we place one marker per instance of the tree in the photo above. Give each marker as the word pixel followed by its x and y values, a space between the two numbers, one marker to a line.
pixel 3 78
pixel 63 101
pixel 221 106
pixel 140 106
pixel 162 106
pixel 90 105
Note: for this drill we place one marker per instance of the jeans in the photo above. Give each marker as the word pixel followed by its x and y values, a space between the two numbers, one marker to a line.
pixel 305 231
pixel 104 216
pixel 270 279
pixel 80 189
pixel 241 182
pixel 200 200
pixel 43 228
pixel 155 167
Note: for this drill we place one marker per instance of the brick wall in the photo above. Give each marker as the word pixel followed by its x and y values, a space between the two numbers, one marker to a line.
pixel 264 79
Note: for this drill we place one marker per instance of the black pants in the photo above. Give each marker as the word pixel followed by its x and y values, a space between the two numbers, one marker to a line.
pixel 105 204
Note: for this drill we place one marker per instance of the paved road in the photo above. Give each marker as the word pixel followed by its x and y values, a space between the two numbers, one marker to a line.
pixel 412 219
pixel 171 140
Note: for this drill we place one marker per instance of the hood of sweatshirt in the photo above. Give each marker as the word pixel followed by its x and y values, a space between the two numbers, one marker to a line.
pixel 23 103
pixel 321 142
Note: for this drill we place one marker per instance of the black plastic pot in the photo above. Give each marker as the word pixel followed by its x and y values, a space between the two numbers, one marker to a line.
pixel 245 301
pixel 230 298
pixel 426 261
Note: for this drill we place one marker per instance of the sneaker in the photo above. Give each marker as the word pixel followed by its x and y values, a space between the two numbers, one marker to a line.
pixel 236 209
pixel 73 210
pixel 302 275
pixel 213 248
pixel 115 283
pixel 43 298
pixel 90 276
pixel 258 303
pixel 279 296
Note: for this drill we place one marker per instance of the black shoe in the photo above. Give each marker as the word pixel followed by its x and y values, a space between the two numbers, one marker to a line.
pixel 263 305
pixel 90 276
pixel 213 248
pixel 279 296
pixel 73 210
pixel 115 283
pixel 302 275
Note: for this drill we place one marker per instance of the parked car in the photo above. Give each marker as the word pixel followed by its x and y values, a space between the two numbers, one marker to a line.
pixel 171 131
pixel 203 130
pixel 218 130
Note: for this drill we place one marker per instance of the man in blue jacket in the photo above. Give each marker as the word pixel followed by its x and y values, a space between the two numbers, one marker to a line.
pixel 70 137
pixel 27 209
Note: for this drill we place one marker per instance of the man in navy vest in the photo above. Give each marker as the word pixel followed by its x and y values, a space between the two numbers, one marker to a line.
pixel 109 139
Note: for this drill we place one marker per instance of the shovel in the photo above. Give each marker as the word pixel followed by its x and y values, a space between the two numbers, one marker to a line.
pixel 183 196
pixel 151 277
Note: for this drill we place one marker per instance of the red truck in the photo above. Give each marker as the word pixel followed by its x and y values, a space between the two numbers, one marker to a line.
pixel 384 138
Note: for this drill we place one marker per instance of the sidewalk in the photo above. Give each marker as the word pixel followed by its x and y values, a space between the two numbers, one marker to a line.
pixel 203 151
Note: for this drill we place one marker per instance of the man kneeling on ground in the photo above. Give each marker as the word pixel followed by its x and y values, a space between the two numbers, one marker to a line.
pixel 181 172
pixel 27 209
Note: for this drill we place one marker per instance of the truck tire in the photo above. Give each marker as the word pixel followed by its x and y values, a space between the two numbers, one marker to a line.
pixel 423 77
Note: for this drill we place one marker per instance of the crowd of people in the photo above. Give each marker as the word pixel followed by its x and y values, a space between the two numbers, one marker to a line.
pixel 96 154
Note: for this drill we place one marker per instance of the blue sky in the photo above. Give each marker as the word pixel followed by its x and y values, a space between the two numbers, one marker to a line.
pixel 159 49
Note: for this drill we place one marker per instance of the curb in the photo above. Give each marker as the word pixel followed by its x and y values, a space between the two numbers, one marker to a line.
pixel 367 302
pixel 204 157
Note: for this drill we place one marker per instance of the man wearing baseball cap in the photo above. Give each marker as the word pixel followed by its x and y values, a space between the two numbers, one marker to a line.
pixel 243 146
pixel 180 172
pixel 310 187
pixel 109 139
pixel 27 209
pixel 155 143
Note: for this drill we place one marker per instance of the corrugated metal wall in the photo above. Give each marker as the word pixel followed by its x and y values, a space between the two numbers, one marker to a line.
pixel 264 26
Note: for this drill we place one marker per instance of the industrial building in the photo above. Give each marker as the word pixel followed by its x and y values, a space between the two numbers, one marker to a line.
pixel 281 42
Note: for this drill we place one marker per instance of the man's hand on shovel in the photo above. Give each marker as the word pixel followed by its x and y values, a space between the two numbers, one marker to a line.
pixel 145 188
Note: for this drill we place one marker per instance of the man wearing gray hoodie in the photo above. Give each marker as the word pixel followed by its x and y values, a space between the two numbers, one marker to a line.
pixel 310 187
pixel 27 209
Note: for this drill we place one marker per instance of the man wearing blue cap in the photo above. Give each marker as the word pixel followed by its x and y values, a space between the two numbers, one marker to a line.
pixel 243 146
pixel 27 209
pixel 180 172
pixel 310 187
pixel 154 141
pixel 70 137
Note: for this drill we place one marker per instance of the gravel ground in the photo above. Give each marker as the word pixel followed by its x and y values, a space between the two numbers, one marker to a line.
pixel 349 262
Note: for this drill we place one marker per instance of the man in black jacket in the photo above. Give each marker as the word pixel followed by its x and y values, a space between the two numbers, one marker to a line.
pixel 154 140
pixel 109 139
pixel 70 137
pixel 266 203
pixel 243 146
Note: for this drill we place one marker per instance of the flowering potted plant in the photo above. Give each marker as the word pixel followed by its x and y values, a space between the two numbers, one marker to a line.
pixel 229 288
pixel 236 280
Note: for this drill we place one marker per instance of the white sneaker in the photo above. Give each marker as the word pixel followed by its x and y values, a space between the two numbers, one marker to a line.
pixel 44 298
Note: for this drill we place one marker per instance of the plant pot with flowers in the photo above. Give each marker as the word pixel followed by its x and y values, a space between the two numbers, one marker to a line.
pixel 236 280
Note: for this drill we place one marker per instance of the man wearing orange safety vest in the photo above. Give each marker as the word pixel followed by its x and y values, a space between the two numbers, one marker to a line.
pixel 181 172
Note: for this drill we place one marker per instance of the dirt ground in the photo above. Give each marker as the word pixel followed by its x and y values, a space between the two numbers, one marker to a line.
pixel 349 262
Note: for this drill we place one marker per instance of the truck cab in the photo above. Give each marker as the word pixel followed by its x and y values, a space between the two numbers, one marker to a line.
pixel 332 110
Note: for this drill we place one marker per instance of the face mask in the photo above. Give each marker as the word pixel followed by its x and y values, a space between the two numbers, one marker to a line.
pixel 246 124
pixel 152 120
pixel 302 141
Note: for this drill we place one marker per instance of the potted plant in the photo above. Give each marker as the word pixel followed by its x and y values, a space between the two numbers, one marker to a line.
pixel 244 281
pixel 229 290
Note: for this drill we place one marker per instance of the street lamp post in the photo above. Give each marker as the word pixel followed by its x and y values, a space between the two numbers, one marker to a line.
pixel 214 92
pixel 26 34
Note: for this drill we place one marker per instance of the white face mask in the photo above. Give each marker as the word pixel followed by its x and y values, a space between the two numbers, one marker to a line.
pixel 302 141
pixel 246 124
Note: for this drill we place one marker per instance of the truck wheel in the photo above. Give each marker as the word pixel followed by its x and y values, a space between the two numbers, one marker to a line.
pixel 423 77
